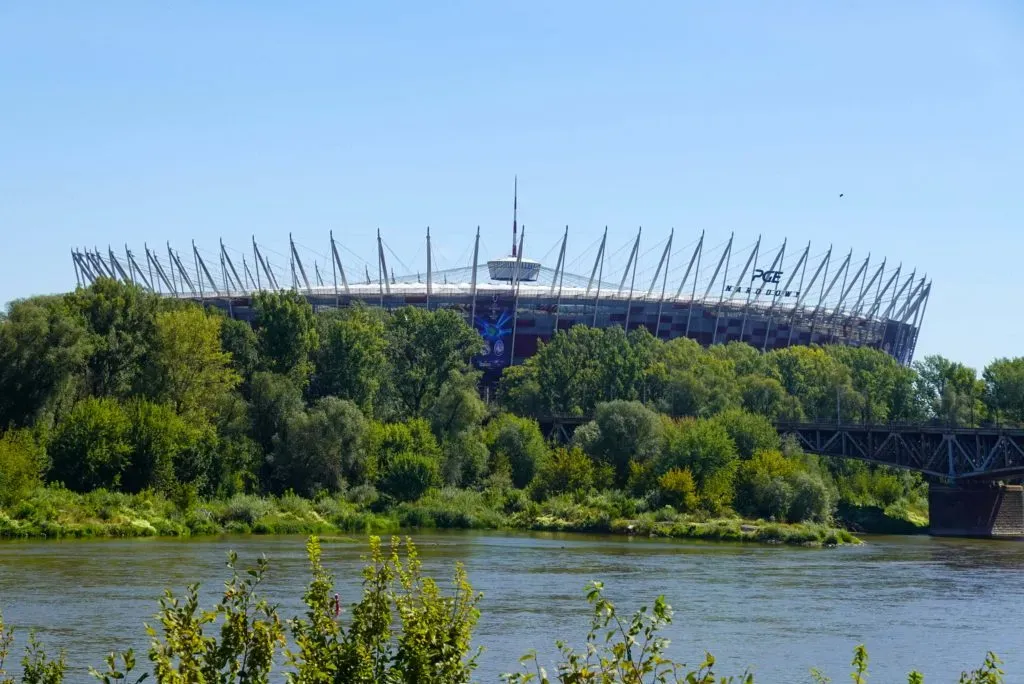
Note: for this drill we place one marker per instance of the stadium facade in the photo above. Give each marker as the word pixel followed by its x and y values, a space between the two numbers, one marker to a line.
pixel 768 297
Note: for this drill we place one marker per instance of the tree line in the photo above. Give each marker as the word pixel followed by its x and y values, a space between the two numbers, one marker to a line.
pixel 112 387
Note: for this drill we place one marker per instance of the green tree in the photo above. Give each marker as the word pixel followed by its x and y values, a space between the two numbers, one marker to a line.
pixel 22 465
pixel 351 362
pixel 884 387
pixel 190 370
pixel 287 334
pixel 239 340
pixel 750 432
pixel 322 448
pixel 166 449
pixel 816 379
pixel 458 407
pixel 43 351
pixel 91 448
pixel 425 349
pixel 273 399
pixel 746 360
pixel 1004 390
pixel 626 432
pixel 464 458
pixel 762 487
pixel 767 397
pixel 517 446
pixel 121 320
pixel 951 391
pixel 686 380
pixel 705 448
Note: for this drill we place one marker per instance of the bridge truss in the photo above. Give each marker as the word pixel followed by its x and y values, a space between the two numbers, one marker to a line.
pixel 956 454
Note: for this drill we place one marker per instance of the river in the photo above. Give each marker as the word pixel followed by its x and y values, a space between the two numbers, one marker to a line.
pixel 934 604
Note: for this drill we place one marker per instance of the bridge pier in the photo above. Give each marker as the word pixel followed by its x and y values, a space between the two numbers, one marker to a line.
pixel 981 510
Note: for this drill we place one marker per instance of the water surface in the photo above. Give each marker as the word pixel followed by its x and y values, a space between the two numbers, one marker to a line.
pixel 934 604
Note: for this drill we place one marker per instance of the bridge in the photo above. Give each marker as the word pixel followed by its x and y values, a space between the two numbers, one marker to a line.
pixel 946 453
pixel 967 468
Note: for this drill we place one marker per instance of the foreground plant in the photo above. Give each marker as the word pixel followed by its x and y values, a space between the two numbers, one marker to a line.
pixel 432 644
pixel 629 652
pixel 632 652
pixel 36 666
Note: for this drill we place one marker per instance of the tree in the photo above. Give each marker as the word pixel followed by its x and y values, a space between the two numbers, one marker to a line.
pixel 458 407
pixel 43 351
pixel 239 340
pixel 351 362
pixel 517 446
pixel 287 334
pixel 273 399
pixel 323 448
pixel 762 489
pixel 950 390
pixel 191 372
pixel 750 432
pixel 815 378
pixel 1004 389
pixel 626 432
pixel 90 448
pixel 746 360
pixel 465 458
pixel 884 387
pixel 165 448
pixel 705 448
pixel 425 348
pixel 686 380
pixel 121 319
pixel 767 397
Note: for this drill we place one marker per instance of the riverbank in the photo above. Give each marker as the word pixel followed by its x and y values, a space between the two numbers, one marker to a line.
pixel 55 513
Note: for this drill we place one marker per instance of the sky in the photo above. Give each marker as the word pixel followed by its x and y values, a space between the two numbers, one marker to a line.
pixel 127 122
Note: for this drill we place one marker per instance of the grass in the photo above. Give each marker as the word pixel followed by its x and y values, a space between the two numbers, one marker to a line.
pixel 54 512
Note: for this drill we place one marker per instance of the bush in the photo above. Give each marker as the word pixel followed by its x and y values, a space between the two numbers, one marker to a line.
pixel 516 445
pixel 246 509
pixel 408 476
pixel 90 448
pixel 678 489
pixel 564 470
pixel 22 462
pixel 811 499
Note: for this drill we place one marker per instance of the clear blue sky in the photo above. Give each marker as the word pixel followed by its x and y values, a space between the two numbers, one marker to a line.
pixel 130 122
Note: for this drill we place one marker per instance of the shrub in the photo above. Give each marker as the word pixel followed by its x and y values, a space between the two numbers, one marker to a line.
pixel 564 470
pixel 22 462
pixel 409 475
pixel 516 445
pixel 90 448
pixel 246 509
pixel 678 489
pixel 811 499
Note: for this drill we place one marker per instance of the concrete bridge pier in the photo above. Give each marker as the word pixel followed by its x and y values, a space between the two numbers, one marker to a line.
pixel 989 509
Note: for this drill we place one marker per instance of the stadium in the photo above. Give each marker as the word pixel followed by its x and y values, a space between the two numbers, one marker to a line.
pixel 769 296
